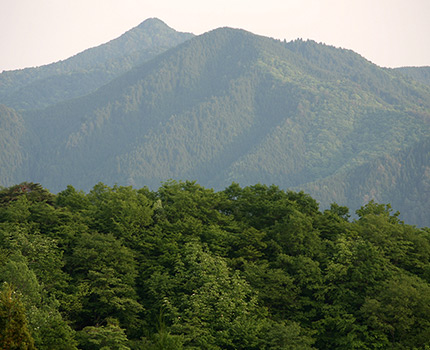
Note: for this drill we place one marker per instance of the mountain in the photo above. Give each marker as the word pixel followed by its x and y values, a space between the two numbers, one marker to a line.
pixel 228 106
pixel 32 88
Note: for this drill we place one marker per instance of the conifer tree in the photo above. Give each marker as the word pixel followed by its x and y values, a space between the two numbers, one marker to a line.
pixel 14 332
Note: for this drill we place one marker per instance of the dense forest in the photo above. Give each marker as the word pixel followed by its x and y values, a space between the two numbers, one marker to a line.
pixel 187 267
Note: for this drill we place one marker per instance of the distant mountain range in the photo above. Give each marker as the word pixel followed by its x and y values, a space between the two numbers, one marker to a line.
pixel 226 106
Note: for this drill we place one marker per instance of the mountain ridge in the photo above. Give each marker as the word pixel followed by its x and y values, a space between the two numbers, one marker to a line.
pixel 231 106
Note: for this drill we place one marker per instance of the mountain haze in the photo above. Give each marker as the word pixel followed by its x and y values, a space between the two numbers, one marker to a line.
pixel 228 106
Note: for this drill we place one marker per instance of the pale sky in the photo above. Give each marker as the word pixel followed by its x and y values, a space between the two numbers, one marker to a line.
pixel 390 33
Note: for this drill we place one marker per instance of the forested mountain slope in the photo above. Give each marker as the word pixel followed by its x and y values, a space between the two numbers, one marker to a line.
pixel 233 106
pixel 400 178
pixel 420 74
pixel 79 75
pixel 13 157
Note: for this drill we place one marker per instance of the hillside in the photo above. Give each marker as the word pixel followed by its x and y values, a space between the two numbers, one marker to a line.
pixel 420 74
pixel 39 87
pixel 401 179
pixel 13 157
pixel 230 106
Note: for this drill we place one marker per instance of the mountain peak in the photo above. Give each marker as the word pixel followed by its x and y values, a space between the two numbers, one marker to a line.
pixel 153 21
pixel 154 24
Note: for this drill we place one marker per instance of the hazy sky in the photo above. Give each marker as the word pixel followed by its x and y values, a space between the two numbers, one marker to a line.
pixel 390 33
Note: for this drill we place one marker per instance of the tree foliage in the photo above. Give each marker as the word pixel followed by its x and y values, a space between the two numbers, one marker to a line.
pixel 186 267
